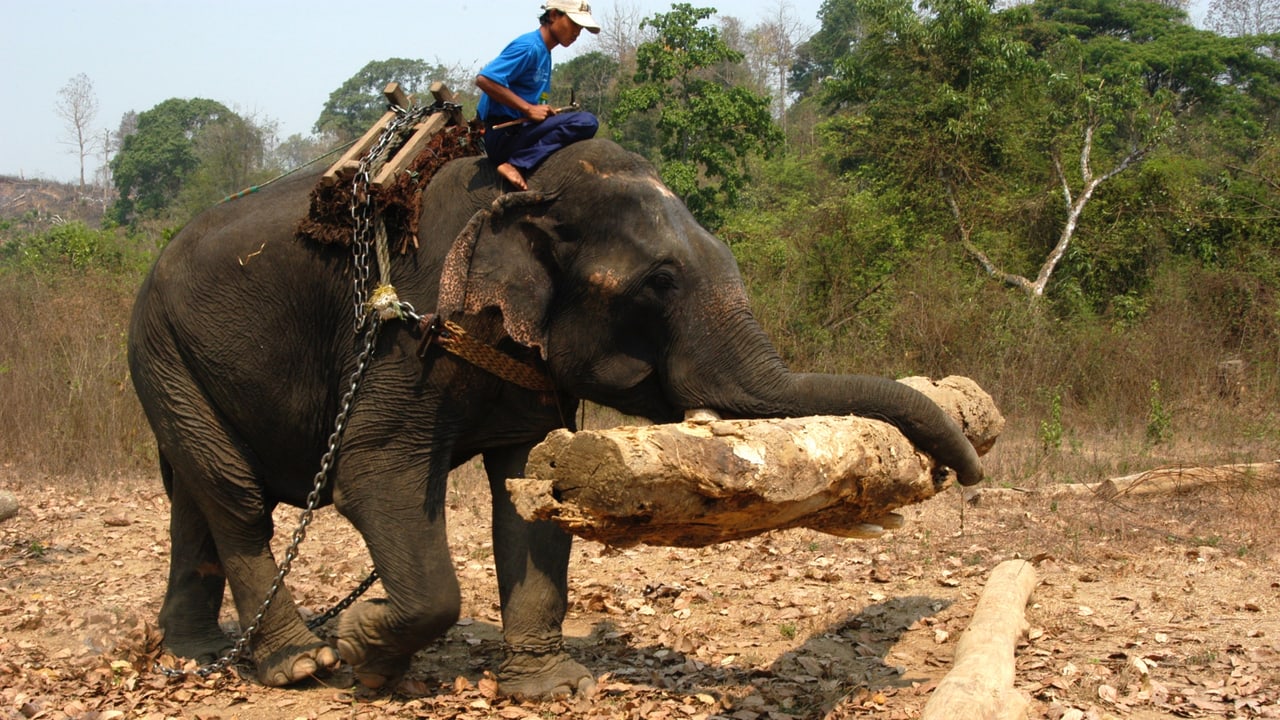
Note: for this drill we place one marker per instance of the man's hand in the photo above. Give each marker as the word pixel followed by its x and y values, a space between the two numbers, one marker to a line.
pixel 538 113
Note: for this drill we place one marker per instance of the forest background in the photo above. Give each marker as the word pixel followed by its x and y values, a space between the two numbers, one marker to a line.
pixel 1074 202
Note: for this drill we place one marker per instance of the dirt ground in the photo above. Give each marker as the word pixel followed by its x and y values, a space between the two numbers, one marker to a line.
pixel 1151 608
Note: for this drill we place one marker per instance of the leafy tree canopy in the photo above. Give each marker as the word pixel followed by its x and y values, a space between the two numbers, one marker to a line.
pixel 356 106
pixel 996 118
pixel 155 160
pixel 589 79
pixel 707 128
pixel 841 29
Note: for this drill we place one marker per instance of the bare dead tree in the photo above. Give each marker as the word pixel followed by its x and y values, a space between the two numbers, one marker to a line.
pixel 1075 205
pixel 106 146
pixel 620 34
pixel 773 45
pixel 78 106
pixel 1236 18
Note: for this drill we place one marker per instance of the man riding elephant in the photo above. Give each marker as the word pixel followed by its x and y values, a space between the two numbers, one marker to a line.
pixel 521 129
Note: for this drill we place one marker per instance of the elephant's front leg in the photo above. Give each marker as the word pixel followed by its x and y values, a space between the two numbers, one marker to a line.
pixel 403 524
pixel 532 563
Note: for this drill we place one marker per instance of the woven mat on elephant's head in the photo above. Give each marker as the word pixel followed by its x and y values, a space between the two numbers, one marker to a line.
pixel 329 220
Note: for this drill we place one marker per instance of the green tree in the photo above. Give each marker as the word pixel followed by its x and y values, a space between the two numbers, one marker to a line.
pixel 297 150
pixel 356 106
pixel 590 79
pixel 1011 121
pixel 707 130
pixel 161 154
pixel 231 157
pixel 815 58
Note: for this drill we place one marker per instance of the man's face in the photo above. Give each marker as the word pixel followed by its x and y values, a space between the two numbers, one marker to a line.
pixel 564 29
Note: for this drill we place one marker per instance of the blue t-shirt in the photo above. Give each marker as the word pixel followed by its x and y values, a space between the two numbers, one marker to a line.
pixel 524 67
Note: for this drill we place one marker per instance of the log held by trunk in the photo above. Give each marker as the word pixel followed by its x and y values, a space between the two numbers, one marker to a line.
pixel 697 483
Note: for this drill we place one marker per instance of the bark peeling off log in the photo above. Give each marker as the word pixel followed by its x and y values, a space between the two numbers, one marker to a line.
pixel 694 484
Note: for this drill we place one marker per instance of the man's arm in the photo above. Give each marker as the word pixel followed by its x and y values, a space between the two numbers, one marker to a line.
pixel 502 94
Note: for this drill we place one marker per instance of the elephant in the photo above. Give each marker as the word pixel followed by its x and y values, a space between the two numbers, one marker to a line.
pixel 597 278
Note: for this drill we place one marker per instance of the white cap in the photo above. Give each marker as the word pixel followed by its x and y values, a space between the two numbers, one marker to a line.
pixel 578 11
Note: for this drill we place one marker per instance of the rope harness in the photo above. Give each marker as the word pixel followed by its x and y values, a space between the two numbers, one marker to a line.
pixel 371 310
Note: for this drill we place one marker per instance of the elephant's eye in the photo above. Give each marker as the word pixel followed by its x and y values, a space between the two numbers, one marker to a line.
pixel 662 280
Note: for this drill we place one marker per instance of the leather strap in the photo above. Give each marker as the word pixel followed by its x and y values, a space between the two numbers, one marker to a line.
pixel 455 340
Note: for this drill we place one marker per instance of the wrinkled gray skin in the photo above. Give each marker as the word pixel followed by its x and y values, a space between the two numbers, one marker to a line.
pixel 241 346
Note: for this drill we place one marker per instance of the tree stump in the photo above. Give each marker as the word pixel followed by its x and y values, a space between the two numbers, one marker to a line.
pixel 702 482
pixel 8 505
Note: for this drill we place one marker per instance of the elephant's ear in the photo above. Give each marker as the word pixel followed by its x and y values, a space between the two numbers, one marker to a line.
pixel 495 263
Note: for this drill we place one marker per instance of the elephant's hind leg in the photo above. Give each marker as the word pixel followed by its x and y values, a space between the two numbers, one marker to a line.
pixel 193 599
pixel 214 482
pixel 411 553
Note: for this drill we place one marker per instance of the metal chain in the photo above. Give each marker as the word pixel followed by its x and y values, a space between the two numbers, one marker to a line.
pixel 361 212
pixel 344 603
pixel 304 520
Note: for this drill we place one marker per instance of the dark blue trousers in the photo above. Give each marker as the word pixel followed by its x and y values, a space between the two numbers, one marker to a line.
pixel 526 145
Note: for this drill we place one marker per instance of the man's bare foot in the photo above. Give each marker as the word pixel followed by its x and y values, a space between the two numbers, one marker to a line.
pixel 513 176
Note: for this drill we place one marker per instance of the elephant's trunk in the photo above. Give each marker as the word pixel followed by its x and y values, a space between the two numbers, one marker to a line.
pixel 918 417
pixel 748 379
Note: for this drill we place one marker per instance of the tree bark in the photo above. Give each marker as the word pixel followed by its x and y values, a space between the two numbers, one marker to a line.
pixel 701 482
pixel 980 684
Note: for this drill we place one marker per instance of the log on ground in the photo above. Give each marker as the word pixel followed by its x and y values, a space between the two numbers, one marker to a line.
pixel 698 483
pixel 980 684
pixel 1172 480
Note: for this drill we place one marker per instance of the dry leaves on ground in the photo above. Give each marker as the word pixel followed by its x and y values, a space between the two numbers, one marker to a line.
pixel 1152 611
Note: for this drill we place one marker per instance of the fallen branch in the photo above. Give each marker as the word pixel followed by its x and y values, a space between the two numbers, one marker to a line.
pixel 702 482
pixel 980 684
pixel 1166 481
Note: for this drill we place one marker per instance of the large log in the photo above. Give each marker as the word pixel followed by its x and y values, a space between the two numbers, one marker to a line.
pixel 701 482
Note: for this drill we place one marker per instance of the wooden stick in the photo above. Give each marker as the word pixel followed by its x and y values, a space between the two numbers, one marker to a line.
pixel 422 134
pixel 445 97
pixel 980 684
pixel 350 160
pixel 521 121
pixel 395 95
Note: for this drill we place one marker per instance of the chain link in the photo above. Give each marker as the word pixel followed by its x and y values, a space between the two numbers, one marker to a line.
pixel 344 603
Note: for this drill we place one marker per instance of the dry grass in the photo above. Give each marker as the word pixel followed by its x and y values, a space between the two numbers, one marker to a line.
pixel 1082 403
pixel 69 408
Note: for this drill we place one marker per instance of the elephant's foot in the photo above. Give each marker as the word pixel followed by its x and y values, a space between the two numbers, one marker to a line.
pixel 204 648
pixel 526 675
pixel 293 663
pixel 376 662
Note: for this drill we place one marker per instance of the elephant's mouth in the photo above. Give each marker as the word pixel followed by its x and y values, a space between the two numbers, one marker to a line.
pixel 645 399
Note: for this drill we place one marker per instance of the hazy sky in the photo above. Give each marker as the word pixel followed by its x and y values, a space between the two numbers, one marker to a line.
pixel 272 59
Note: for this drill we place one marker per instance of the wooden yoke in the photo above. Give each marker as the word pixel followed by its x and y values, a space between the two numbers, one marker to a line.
pixel 346 166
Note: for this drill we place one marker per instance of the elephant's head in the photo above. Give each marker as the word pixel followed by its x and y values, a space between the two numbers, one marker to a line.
pixel 634 305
